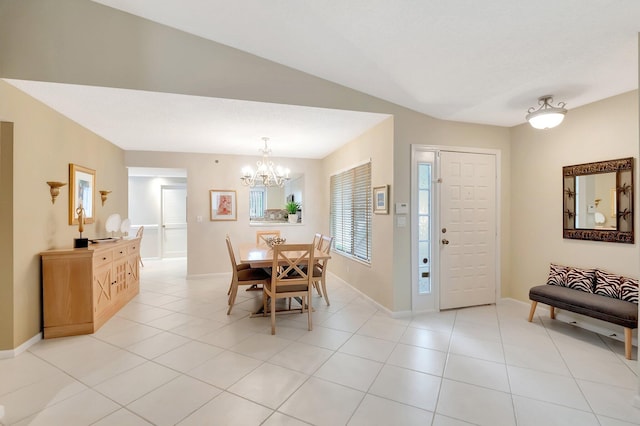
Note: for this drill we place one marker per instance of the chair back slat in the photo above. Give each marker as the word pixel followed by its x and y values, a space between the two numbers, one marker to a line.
pixel 317 241
pixel 232 258
pixel 326 243
pixel 291 260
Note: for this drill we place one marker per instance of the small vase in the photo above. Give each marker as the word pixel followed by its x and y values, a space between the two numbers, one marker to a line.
pixel 293 217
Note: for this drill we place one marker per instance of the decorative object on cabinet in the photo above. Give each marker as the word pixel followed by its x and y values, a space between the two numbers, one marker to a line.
pixel 124 227
pixel 82 289
pixel 80 242
pixel 222 205
pixel 82 191
pixel 585 183
pixel 103 195
pixel 113 223
pixel 546 116
pixel 54 189
pixel 381 199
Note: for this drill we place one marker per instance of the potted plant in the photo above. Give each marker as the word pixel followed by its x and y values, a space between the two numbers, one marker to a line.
pixel 292 211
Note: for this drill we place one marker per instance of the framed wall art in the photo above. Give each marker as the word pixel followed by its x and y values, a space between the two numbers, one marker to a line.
pixel 82 190
pixel 223 205
pixel 381 199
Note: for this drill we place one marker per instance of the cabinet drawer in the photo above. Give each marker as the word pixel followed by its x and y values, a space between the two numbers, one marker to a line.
pixel 104 257
pixel 119 253
pixel 134 248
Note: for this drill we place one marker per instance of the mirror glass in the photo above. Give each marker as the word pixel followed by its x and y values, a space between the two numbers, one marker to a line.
pixel 598 201
pixel 267 204
pixel 595 201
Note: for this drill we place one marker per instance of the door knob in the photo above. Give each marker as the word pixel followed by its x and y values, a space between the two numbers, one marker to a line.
pixel 445 241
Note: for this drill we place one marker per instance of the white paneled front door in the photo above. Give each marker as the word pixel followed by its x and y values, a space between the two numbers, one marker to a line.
pixel 468 223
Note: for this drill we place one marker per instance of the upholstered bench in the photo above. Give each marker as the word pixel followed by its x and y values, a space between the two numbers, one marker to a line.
pixel 591 292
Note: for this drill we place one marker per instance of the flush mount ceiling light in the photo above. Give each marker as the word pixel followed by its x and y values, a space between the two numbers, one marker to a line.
pixel 266 174
pixel 546 116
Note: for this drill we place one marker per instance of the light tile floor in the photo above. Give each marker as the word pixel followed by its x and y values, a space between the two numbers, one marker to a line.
pixel 173 356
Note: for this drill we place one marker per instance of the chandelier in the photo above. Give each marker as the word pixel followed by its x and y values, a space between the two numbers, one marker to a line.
pixel 266 174
pixel 547 116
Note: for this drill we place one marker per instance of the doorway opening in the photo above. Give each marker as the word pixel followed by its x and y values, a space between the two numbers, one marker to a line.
pixel 158 201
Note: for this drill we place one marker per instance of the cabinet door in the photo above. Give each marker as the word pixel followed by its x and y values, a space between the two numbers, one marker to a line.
pixel 101 288
pixel 120 282
pixel 133 265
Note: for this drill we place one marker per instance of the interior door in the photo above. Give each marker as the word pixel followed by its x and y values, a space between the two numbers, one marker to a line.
pixel 174 221
pixel 467 229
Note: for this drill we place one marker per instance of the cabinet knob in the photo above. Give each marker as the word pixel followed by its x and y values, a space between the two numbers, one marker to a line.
pixel 104 258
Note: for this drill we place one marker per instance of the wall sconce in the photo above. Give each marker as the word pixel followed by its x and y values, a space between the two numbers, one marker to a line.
pixel 103 195
pixel 54 189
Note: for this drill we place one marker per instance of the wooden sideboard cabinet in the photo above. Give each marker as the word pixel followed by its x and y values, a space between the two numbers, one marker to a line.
pixel 83 288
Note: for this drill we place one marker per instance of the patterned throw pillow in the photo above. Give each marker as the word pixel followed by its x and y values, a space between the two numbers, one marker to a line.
pixel 629 289
pixel 607 284
pixel 557 275
pixel 581 279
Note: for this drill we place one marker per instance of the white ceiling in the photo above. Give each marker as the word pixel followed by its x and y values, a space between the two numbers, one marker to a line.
pixel 144 121
pixel 463 60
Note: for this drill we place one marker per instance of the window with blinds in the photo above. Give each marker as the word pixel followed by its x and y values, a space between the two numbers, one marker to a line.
pixel 257 202
pixel 351 212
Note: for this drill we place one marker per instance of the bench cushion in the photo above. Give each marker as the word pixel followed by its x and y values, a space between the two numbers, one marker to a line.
pixel 615 311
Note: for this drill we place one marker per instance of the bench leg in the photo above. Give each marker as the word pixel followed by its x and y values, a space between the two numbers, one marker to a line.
pixel 533 310
pixel 552 312
pixel 627 343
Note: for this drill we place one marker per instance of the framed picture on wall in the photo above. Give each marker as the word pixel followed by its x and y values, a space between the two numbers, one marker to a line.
pixel 381 199
pixel 82 192
pixel 223 205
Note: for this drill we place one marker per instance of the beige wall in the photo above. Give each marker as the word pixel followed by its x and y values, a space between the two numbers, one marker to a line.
pixel 45 142
pixel 6 234
pixel 207 252
pixel 375 280
pixel 414 128
pixel 604 130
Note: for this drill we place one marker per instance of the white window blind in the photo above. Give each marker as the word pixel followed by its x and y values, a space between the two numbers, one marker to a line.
pixel 351 212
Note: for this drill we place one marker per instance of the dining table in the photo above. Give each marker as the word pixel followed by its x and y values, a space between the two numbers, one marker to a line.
pixel 261 256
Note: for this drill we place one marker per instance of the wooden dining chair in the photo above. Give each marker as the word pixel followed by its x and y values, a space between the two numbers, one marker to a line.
pixel 139 235
pixel 263 236
pixel 320 268
pixel 317 239
pixel 242 274
pixel 292 279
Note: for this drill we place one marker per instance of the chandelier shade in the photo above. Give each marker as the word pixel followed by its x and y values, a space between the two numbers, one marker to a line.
pixel 266 173
pixel 546 116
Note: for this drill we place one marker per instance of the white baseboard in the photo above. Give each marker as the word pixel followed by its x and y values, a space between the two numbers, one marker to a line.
pixel 12 353
pixel 369 299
